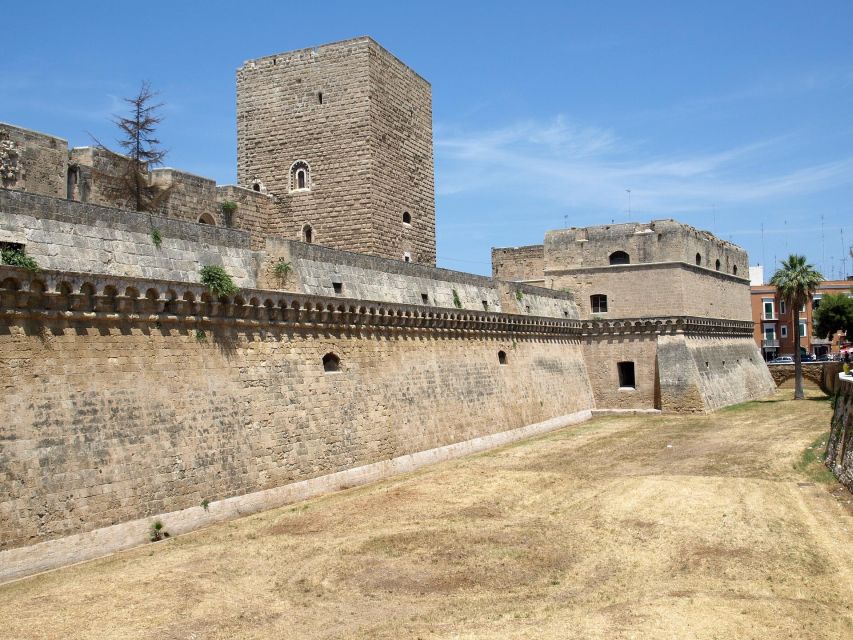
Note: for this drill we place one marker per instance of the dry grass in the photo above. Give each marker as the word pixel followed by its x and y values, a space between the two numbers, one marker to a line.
pixel 669 527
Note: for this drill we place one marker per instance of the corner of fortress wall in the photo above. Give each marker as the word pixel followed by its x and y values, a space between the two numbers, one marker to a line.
pixel 700 374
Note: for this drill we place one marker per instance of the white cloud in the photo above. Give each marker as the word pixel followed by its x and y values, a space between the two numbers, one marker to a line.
pixel 590 168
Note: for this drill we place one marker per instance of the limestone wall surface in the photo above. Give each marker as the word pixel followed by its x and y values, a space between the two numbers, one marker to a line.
pixel 316 270
pixel 657 289
pixel 32 161
pixel 72 236
pixel 114 416
pixel 839 452
pixel 705 373
pixel 519 263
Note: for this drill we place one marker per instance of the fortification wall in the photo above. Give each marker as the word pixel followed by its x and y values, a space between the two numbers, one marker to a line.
pixel 519 263
pixel 316 270
pixel 705 373
pixel 191 197
pixel 253 214
pixel 117 412
pixel 839 449
pixel 32 161
pixel 71 236
pixel 655 241
pixel 659 289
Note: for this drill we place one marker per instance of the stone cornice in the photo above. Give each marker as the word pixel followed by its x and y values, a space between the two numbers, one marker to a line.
pixel 92 298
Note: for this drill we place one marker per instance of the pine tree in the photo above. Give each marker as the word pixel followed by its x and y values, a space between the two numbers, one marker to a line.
pixel 141 151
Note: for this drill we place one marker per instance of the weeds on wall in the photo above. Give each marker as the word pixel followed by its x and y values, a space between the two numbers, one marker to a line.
pixel 282 269
pixel 156 238
pixel 200 335
pixel 229 207
pixel 456 301
pixel 157 532
pixel 518 295
pixel 205 504
pixel 17 257
pixel 217 280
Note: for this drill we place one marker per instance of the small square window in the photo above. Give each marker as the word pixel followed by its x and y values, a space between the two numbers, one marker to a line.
pixel 486 305
pixel 425 298
pixel 338 287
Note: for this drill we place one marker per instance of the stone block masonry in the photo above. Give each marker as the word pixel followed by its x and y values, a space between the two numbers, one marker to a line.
pixel 839 448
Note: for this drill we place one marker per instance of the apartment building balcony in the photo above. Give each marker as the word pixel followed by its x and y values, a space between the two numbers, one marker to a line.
pixel 820 341
pixel 770 344
pixel 769 316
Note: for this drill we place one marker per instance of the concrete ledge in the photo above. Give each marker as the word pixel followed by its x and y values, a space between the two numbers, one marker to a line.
pixel 52 554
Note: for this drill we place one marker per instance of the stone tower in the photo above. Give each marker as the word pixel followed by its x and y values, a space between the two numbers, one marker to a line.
pixel 341 136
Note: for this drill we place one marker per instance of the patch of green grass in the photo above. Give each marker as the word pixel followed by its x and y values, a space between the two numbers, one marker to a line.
pixel 811 463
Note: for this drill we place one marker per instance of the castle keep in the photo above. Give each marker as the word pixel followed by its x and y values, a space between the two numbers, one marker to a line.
pixel 133 393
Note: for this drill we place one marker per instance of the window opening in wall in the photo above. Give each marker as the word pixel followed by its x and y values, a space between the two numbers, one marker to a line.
pixel 206 218
pixel 424 298
pixel 527 308
pixel 320 97
pixel 407 257
pixel 784 331
pixel 698 259
pixel 620 257
pixel 407 217
pixel 717 265
pixel 598 303
pixel 256 187
pixel 734 270
pixel 626 375
pixel 338 287
pixel 307 234
pixel 486 305
pixel 300 176
pixel 502 357
pixel 782 307
pixel 331 363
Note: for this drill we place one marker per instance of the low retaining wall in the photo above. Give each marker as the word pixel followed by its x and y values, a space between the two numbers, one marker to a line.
pixel 839 449
pixel 823 374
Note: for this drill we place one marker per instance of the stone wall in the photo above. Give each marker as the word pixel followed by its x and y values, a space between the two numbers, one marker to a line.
pixel 839 452
pixel 361 121
pixel 659 289
pixel 322 271
pixel 120 407
pixel 191 197
pixel 823 374
pixel 71 236
pixel 519 263
pixel 655 241
pixel 253 215
pixel 32 161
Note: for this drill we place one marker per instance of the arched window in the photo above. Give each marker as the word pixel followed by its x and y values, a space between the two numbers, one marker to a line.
pixel 502 357
pixel 619 257
pixel 206 218
pixel 256 187
pixel 598 303
pixel 407 217
pixel 717 265
pixel 300 176
pixel 308 234
pixel 407 257
pixel 331 363
pixel 699 259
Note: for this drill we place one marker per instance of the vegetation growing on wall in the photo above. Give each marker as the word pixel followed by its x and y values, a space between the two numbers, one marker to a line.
pixel 282 269
pixel 217 280
pixel 456 301
pixel 156 238
pixel 17 257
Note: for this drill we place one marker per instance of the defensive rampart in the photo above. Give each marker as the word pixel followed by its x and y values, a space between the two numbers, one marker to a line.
pixel 132 399
pixel 823 374
pixel 839 452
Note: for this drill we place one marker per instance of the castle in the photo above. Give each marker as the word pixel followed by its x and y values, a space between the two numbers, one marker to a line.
pixel 134 393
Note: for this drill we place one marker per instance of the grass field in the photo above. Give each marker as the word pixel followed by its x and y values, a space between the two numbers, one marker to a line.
pixel 719 526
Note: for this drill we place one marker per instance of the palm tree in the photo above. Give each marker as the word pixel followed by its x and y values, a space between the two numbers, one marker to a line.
pixel 796 282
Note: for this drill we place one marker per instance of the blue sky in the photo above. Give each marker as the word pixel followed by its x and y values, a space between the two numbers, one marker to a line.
pixel 724 115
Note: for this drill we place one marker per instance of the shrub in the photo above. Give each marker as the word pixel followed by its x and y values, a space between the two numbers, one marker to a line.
pixel 205 504
pixel 157 532
pixel 156 238
pixel 16 257
pixel 519 295
pixel 282 269
pixel 456 301
pixel 200 335
pixel 218 281
pixel 228 206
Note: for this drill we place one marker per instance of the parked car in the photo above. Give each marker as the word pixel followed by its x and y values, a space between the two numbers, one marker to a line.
pixel 808 357
pixel 826 357
pixel 782 360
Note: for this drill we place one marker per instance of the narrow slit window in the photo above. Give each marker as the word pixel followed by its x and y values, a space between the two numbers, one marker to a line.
pixel 407 217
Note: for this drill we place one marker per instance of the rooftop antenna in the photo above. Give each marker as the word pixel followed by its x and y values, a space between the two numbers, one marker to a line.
pixel 629 203
pixel 844 256
pixel 763 261
pixel 822 245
